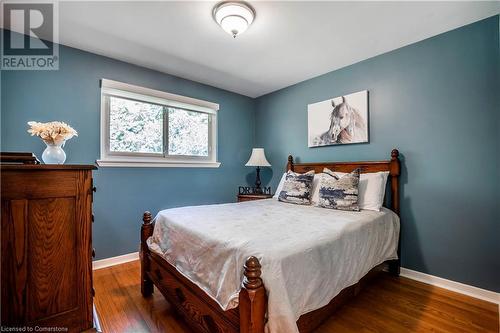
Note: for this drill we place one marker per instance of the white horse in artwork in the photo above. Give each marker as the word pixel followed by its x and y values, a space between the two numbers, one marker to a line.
pixel 346 126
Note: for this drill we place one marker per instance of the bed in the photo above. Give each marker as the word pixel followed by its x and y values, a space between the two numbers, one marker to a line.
pixel 279 268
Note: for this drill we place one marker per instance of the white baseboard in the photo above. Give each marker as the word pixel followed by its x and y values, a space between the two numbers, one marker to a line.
pixel 103 263
pixel 458 287
pixel 485 295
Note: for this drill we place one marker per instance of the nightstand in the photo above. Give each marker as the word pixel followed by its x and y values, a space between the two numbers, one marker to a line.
pixel 250 197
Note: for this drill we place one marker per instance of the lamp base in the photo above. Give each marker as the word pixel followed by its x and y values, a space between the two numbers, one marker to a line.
pixel 258 189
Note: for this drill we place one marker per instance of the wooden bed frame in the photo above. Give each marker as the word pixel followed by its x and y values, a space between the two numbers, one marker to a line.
pixel 203 314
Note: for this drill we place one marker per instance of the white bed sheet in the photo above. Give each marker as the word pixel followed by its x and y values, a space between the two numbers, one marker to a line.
pixel 308 254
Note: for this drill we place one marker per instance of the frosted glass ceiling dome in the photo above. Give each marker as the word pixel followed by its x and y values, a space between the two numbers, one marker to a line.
pixel 234 17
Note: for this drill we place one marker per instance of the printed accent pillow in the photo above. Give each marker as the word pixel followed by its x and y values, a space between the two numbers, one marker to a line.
pixel 339 192
pixel 371 189
pixel 297 188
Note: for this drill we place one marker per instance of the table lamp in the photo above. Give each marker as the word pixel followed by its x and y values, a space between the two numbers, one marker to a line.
pixel 258 159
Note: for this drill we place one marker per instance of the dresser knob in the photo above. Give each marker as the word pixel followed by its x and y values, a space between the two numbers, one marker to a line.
pixel 93 253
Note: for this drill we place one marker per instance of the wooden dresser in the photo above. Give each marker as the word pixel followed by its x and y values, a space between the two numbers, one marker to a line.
pixel 47 246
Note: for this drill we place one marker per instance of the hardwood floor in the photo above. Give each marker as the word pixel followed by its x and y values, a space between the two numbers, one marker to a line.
pixel 388 304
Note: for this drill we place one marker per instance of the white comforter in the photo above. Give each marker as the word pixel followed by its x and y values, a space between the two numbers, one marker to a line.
pixel 308 254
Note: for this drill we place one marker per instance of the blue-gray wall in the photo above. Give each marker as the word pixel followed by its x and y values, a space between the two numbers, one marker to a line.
pixel 438 102
pixel 72 94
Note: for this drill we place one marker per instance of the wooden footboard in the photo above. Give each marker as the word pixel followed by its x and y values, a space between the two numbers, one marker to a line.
pixel 200 311
pixel 203 314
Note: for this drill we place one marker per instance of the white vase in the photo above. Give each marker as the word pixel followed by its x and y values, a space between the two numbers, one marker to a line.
pixel 54 154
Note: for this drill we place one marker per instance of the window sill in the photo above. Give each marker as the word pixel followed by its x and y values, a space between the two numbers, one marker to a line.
pixel 156 164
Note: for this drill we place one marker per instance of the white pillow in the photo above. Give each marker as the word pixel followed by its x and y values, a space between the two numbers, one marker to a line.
pixel 371 189
pixel 280 186
pixel 315 188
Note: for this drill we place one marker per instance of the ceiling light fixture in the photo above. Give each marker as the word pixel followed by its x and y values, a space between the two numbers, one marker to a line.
pixel 234 17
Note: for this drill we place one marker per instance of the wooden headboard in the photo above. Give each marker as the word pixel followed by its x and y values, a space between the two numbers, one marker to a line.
pixel 393 166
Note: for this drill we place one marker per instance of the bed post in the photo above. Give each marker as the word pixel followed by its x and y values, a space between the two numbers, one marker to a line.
pixel 395 171
pixel 146 232
pixel 289 165
pixel 252 299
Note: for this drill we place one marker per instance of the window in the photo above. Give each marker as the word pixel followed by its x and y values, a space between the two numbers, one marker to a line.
pixel 145 127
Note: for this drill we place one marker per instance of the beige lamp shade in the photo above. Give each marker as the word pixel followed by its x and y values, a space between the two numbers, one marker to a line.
pixel 258 158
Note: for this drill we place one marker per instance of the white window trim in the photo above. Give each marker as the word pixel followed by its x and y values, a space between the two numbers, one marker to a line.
pixel 159 97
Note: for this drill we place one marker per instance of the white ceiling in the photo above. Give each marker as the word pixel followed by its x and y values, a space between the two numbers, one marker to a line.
pixel 288 42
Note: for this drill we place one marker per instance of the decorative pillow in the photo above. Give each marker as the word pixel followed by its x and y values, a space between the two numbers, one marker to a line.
pixel 371 189
pixel 339 192
pixel 297 188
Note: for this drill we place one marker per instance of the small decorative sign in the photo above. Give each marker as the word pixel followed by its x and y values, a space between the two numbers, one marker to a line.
pixel 254 190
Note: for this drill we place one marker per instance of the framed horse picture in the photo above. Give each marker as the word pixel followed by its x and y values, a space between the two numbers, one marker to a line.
pixel 339 120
